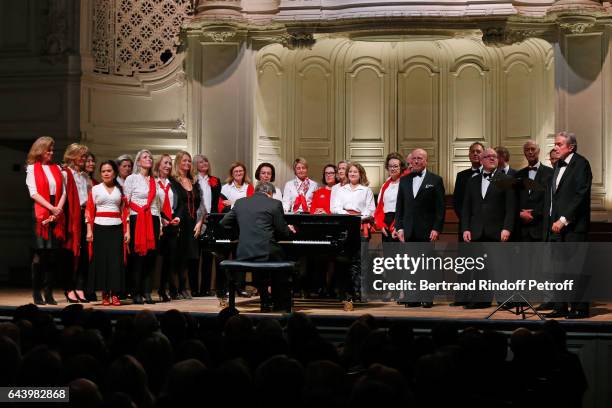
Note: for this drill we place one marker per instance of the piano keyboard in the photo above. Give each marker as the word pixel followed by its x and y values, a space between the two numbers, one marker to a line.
pixel 301 242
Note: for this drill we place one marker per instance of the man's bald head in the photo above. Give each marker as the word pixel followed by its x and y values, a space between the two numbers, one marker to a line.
pixel 418 160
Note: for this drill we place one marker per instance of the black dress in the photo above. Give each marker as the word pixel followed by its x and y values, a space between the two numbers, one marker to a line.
pixel 188 248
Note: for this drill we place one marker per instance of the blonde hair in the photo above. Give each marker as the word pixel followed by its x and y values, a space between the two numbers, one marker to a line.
pixel 73 152
pixel 299 160
pixel 177 163
pixel 363 178
pixel 39 147
pixel 136 169
pixel 230 179
pixel 201 158
pixel 157 164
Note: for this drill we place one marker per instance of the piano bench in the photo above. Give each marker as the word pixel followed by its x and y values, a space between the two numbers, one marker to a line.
pixel 231 265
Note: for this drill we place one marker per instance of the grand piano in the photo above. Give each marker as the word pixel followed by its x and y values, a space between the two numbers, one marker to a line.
pixel 335 233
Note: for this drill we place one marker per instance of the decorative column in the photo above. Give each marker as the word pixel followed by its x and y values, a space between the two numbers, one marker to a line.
pixel 583 76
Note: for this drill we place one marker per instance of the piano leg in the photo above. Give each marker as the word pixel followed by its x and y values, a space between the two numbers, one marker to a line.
pixel 232 292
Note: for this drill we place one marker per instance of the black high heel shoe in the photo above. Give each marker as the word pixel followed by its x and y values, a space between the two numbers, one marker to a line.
pixel 71 300
pixel 81 299
pixel 148 299
pixel 49 297
pixel 38 299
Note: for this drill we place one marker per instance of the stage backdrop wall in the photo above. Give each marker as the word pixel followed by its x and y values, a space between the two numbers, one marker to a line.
pixel 360 100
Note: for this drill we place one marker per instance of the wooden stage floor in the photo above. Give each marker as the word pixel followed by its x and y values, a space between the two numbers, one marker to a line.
pixel 601 312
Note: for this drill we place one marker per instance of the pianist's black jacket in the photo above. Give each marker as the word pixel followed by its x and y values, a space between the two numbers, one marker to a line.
pixel 261 222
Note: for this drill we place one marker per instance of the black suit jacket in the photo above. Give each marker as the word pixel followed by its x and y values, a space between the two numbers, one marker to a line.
pixel 177 204
pixel 417 216
pixel 261 221
pixel 511 172
pixel 572 199
pixel 460 185
pixel 533 200
pixel 487 217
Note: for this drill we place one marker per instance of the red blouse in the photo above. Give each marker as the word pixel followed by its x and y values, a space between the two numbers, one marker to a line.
pixel 321 199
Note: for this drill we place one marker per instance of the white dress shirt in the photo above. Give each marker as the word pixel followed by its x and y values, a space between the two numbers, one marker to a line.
pixel 485 183
pixel 532 173
pixel 233 192
pixel 80 179
pixel 136 190
pixel 206 194
pixel 360 199
pixel 558 180
pixel 31 181
pixel 417 181
pixel 106 202
pixel 390 197
pixel 562 169
pixel 290 193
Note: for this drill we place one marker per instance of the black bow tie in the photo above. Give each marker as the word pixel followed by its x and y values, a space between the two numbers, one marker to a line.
pixel 529 168
pixel 419 174
pixel 488 176
pixel 561 163
pixel 475 171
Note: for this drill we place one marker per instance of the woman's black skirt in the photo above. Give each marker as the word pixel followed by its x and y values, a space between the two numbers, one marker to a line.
pixel 107 270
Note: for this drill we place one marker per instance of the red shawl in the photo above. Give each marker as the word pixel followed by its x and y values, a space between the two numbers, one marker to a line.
pixel 144 239
pixel 379 213
pixel 40 212
pixel 73 233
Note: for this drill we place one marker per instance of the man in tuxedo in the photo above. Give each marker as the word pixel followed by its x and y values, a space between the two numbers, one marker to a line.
pixel 260 219
pixel 488 208
pixel 531 202
pixel 568 207
pixel 419 212
pixel 503 159
pixel 462 179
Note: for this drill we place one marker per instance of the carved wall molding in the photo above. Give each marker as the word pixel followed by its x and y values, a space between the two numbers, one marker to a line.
pixel 576 27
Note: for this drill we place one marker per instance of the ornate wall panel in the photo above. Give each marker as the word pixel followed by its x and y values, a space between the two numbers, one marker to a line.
pixel 313 121
pixel 378 97
pixel 271 142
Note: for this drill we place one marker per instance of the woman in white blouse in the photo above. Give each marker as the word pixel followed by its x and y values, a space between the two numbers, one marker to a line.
pixel 384 216
pixel 297 194
pixel 355 198
pixel 108 234
pixel 47 190
pixel 77 189
pixel 144 200
pixel 168 243
pixel 266 173
pixel 237 186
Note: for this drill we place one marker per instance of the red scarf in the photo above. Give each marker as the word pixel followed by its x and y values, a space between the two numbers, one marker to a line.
pixel 379 213
pixel 167 208
pixel 250 190
pixel 90 215
pixel 144 239
pixel 300 200
pixel 73 233
pixel 40 212
pixel 366 227
pixel 321 199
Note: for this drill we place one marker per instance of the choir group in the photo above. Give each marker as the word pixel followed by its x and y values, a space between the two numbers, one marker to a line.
pixel 109 233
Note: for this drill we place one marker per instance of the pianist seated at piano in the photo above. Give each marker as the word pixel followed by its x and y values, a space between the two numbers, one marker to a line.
pixel 321 199
pixel 297 194
pixel 237 185
pixel 260 220
pixel 267 173
pixel 355 198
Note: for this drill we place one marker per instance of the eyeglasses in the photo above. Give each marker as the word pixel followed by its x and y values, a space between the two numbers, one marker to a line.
pixel 393 167
pixel 490 156
pixel 330 173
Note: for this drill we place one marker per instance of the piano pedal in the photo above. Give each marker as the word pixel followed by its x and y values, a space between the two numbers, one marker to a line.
pixel 223 303
pixel 347 305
